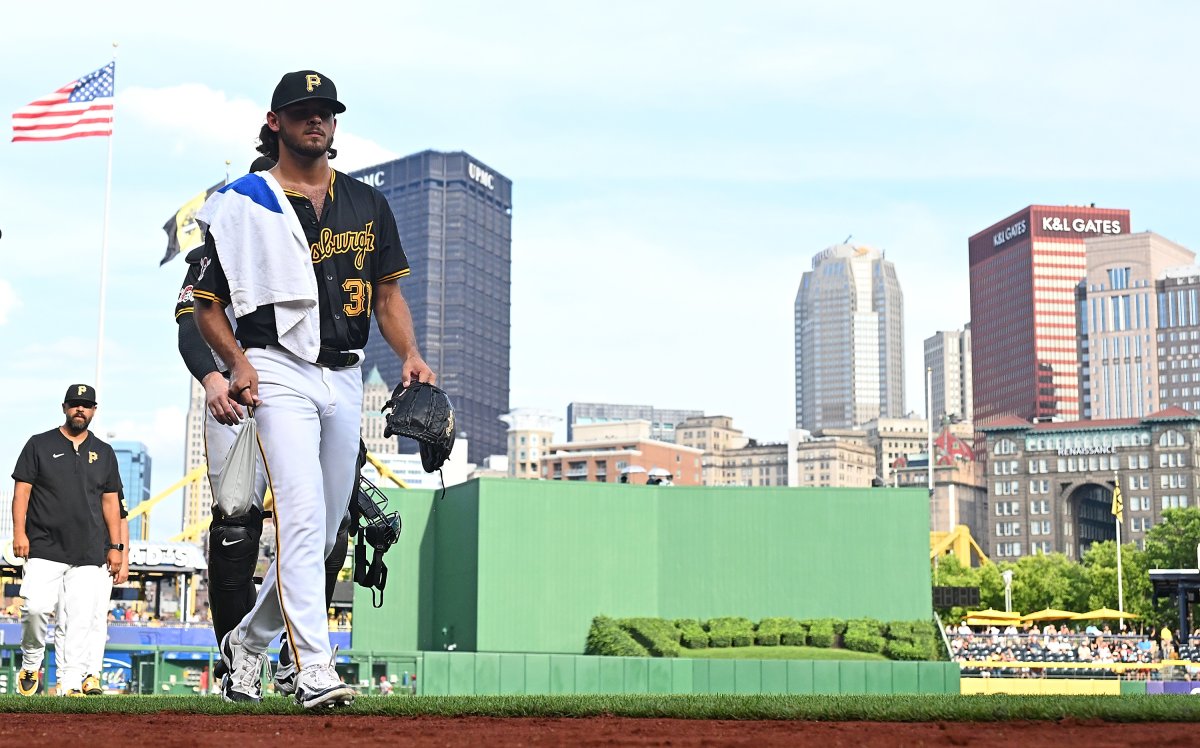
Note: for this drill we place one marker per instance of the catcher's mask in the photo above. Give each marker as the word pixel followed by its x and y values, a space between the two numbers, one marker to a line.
pixel 377 527
pixel 423 412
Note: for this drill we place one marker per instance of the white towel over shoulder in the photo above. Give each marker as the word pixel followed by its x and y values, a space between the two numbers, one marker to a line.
pixel 266 258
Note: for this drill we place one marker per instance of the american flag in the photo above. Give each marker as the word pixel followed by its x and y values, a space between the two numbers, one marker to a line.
pixel 77 110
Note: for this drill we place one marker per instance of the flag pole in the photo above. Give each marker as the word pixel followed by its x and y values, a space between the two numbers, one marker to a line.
pixel 104 236
pixel 1119 516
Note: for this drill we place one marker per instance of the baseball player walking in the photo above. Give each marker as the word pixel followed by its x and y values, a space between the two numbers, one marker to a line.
pixel 233 538
pixel 67 524
pixel 304 255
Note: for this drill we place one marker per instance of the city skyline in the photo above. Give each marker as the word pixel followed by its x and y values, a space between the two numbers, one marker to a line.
pixel 668 199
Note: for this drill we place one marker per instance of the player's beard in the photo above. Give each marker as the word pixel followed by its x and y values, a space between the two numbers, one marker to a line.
pixel 77 424
pixel 302 148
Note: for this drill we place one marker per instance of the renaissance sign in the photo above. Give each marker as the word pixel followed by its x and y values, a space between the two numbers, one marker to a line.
pixel 1074 451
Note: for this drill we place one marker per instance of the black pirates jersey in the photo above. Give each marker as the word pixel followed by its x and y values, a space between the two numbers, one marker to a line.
pixel 354 246
pixel 186 304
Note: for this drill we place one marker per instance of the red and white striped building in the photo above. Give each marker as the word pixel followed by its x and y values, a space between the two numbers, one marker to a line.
pixel 1024 273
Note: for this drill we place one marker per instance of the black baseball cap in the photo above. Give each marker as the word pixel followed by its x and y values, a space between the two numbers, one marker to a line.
pixel 262 163
pixel 303 85
pixel 81 393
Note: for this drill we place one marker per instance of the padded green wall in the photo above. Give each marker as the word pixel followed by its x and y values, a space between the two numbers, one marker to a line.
pixel 464 674
pixel 523 566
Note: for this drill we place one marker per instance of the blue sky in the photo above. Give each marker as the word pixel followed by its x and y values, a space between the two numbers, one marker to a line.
pixel 675 167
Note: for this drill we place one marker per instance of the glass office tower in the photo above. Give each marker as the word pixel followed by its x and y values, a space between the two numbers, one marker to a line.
pixel 455 220
pixel 133 463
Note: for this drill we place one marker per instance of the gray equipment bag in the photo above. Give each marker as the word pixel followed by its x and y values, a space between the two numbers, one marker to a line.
pixel 234 491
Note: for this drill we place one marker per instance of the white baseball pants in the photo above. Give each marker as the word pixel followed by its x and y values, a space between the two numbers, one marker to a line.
pixel 82 589
pixel 308 427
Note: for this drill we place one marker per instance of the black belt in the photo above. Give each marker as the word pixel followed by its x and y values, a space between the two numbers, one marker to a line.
pixel 335 359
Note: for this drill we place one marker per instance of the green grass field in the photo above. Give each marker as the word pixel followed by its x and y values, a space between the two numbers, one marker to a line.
pixel 779 653
pixel 821 708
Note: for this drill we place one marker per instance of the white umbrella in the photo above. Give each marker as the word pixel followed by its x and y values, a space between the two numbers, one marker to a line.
pixel 632 469
pixel 660 472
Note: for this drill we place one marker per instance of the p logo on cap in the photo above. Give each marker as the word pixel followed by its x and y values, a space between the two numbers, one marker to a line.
pixel 312 81
pixel 84 393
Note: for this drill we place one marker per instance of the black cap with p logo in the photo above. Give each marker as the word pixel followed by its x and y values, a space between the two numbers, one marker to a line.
pixel 304 85
pixel 80 393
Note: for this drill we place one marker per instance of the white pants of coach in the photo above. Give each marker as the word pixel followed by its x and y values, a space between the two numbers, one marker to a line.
pixel 83 589
pixel 97 639
pixel 308 427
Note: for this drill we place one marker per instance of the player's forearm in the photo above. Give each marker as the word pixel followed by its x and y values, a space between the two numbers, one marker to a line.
pixel 20 506
pixel 193 350
pixel 395 321
pixel 217 332
pixel 110 506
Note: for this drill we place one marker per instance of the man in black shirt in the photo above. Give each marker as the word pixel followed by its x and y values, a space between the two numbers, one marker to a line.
pixel 67 525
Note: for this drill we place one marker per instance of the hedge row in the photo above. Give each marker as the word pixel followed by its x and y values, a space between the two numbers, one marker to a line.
pixel 691 634
pixel 730 632
pixel 912 640
pixel 900 640
pixel 607 637
pixel 865 635
pixel 786 631
pixel 659 636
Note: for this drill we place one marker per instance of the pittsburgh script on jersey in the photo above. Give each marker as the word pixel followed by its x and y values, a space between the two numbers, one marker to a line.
pixel 358 242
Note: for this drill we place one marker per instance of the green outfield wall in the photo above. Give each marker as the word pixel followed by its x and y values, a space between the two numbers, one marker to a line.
pixel 466 674
pixel 524 566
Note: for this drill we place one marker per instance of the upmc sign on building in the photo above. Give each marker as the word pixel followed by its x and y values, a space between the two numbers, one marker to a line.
pixel 1024 270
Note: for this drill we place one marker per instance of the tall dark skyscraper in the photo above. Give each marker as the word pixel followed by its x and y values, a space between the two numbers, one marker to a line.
pixel 455 221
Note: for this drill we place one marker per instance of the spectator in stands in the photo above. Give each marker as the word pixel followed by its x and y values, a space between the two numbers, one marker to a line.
pixel 1084 653
pixel 385 686
pixel 1091 630
pixel 965 630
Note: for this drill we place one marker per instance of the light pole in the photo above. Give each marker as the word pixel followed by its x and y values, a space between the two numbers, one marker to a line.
pixel 1007 575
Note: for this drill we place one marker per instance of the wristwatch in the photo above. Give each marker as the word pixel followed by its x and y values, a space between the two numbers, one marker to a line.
pixel 115 547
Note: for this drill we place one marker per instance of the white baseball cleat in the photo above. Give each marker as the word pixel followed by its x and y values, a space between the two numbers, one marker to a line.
pixel 244 679
pixel 320 685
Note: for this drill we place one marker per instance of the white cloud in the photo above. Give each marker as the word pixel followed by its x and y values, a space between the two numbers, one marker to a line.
pixel 8 300
pixel 226 121
pixel 162 431
pixel 355 152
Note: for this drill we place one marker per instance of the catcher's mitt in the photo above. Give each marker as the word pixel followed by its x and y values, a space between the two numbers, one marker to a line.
pixel 422 412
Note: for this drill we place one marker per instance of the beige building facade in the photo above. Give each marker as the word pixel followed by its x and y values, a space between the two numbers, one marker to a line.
pixel 530 433
pixel 837 458
pixel 1119 323
pixel 893 438
pixel 714 435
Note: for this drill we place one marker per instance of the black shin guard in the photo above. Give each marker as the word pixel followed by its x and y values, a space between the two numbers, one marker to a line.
pixel 336 559
pixel 232 556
